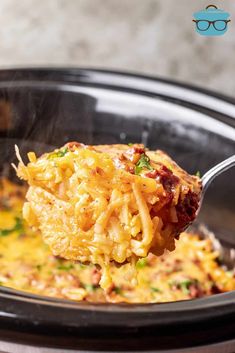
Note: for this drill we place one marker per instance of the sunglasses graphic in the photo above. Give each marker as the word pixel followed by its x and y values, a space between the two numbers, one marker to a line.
pixel 204 25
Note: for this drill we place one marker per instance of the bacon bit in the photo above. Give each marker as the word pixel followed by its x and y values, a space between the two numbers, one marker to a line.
pixel 130 169
pixel 55 257
pixel 139 150
pixel 100 171
pixel 95 277
pixel 122 157
pixel 113 291
pixel 135 157
pixel 186 209
pixel 97 170
pixel 123 162
pixel 165 176
pixel 8 275
pixel 177 265
pixel 174 287
pixel 195 291
pixel 17 193
pixel 74 280
pixel 173 215
pixel 61 278
pixel 110 289
pixel 215 289
pixel 126 287
pixel 134 153
pixel 160 206
pixel 153 174
pixel 151 258
pixel 197 263
pixel 128 159
pixel 72 145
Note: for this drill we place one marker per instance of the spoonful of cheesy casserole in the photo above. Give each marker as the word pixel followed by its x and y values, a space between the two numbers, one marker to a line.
pixel 108 203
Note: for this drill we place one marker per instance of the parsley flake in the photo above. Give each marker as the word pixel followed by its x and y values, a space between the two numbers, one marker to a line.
pixel 141 263
pixel 90 287
pixel 117 290
pixel 143 162
pixel 65 267
pixel 58 154
pixel 155 289
pixel 184 285
pixel 18 227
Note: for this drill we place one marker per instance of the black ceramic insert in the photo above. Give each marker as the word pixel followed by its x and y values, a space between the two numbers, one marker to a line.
pixel 44 108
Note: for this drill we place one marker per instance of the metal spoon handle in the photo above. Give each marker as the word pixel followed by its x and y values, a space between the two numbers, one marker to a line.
pixel 217 170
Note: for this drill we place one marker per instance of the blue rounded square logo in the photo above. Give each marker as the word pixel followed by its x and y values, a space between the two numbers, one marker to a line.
pixel 211 21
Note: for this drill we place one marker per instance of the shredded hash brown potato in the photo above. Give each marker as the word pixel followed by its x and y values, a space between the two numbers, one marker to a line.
pixel 26 263
pixel 106 203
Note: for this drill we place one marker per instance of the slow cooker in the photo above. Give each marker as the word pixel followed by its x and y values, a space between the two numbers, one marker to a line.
pixel 44 108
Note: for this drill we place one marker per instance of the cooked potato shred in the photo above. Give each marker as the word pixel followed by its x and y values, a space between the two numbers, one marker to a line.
pixel 27 264
pixel 100 204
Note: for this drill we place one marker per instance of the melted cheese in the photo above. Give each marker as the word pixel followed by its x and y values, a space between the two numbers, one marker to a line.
pixel 100 204
pixel 26 263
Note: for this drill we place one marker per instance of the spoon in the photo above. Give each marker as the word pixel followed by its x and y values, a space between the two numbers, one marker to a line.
pixel 214 172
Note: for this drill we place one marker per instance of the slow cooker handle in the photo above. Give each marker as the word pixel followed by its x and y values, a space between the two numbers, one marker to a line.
pixel 215 7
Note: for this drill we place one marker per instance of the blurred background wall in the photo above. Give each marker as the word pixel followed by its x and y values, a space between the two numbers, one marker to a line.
pixel 154 37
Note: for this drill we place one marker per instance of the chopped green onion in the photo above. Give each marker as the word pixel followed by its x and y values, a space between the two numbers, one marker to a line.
pixel 63 152
pixel 184 285
pixel 82 266
pixel 117 290
pixel 198 174
pixel 130 144
pixel 39 267
pixel 230 273
pixel 90 287
pixel 155 289
pixel 141 263
pixel 65 267
pixel 143 162
pixel 58 154
pixel 18 227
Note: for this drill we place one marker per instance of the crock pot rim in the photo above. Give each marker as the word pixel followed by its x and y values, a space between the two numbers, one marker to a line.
pixel 112 81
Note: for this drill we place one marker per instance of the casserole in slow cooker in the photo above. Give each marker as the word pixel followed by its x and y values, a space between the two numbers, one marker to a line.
pixel 193 270
pixel 42 109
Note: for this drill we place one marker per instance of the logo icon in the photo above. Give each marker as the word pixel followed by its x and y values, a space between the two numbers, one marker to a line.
pixel 211 21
